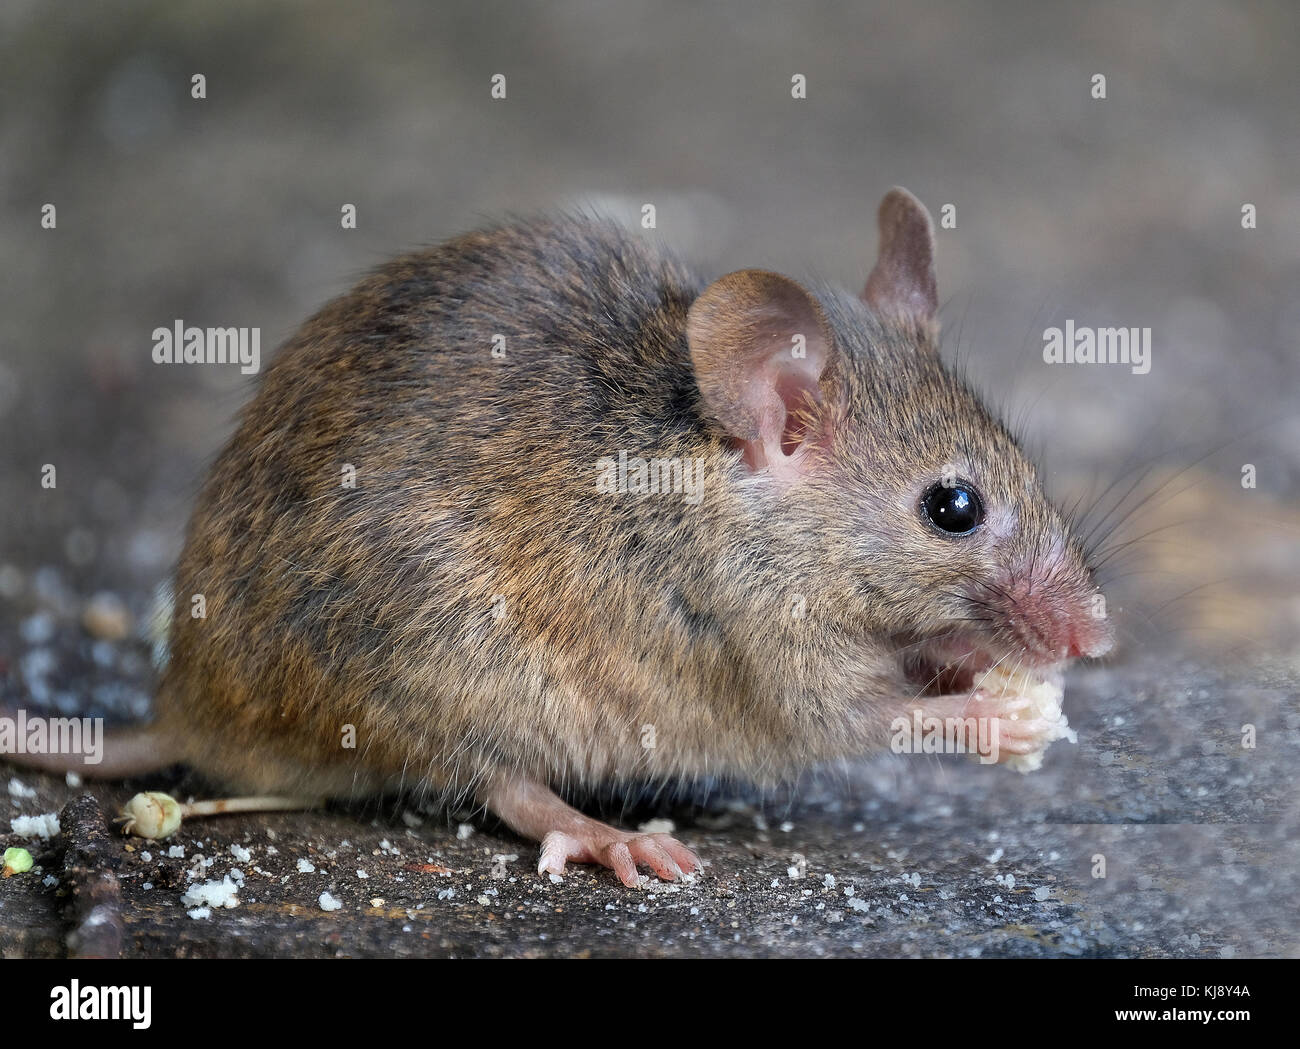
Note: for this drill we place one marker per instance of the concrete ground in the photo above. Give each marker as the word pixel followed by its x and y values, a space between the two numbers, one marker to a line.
pixel 1158 835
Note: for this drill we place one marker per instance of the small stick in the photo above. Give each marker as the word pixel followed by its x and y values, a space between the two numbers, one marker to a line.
pixel 95 905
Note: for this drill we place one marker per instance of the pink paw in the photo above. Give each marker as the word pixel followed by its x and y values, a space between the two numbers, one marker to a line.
pixel 620 851
pixel 1011 725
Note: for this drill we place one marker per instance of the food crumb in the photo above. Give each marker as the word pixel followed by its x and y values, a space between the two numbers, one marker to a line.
pixel 306 867
pixel 44 826
pixel 213 894
pixel 19 789
pixel 328 902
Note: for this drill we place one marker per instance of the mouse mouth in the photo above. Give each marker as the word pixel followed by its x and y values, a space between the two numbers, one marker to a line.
pixel 944 667
pixel 956 664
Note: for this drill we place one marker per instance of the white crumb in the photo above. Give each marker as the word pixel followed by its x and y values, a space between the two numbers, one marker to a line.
pixel 657 827
pixel 43 826
pixel 328 902
pixel 306 867
pixel 19 789
pixel 223 893
pixel 240 853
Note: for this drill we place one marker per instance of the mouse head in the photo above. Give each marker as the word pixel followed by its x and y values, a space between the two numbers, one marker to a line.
pixel 842 410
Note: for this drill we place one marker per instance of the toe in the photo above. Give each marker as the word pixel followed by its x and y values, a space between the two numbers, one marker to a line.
pixel 1023 743
pixel 618 857
pixel 557 848
pixel 683 856
pixel 652 853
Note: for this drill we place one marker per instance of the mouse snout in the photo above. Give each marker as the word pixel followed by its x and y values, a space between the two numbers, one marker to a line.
pixel 1090 637
pixel 1060 630
pixel 1053 620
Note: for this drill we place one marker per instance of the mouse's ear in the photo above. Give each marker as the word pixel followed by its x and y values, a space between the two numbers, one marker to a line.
pixel 902 283
pixel 762 350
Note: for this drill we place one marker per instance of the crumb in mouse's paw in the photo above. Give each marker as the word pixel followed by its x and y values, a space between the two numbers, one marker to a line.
pixel 1027 709
pixel 620 851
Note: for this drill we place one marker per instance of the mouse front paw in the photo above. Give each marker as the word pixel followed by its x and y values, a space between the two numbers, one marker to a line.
pixel 1013 727
pixel 1023 722
pixel 620 851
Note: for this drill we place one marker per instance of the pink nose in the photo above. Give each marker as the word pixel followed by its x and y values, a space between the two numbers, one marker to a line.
pixel 1091 638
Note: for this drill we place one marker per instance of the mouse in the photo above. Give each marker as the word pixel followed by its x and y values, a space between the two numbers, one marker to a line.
pixel 541 509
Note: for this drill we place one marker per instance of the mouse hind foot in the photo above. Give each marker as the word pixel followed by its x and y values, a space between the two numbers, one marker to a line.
pixel 535 811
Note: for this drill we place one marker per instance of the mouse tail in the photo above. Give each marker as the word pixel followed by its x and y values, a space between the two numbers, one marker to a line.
pixel 132 750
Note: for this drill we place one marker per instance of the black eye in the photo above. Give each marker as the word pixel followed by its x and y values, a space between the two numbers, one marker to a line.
pixel 957 509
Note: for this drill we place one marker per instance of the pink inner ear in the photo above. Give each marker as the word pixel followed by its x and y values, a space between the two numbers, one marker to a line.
pixel 784 428
pixel 797 393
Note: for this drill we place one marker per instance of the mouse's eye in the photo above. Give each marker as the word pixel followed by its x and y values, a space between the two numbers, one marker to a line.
pixel 956 509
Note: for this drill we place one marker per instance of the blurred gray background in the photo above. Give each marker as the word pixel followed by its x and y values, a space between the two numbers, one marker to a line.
pixel 1124 211
pixel 226 211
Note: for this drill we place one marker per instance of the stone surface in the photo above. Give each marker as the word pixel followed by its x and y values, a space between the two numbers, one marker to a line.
pixel 898 856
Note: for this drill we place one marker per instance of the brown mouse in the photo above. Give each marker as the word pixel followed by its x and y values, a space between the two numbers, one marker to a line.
pixel 429 559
